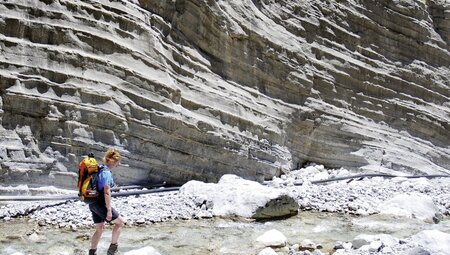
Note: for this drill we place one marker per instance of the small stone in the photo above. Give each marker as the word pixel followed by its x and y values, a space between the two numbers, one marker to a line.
pixel 338 245
pixel 14 237
pixel 34 237
pixel 73 227
pixel 437 218
pixel 347 245
pixel 307 244
pixel 375 246
pixel 418 251
pixel 83 237
pixel 358 243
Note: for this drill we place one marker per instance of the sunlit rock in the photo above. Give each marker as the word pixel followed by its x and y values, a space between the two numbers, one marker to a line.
pixel 143 251
pixel 272 238
pixel 435 241
pixel 267 251
pixel 410 205
pixel 384 239
pixel 234 196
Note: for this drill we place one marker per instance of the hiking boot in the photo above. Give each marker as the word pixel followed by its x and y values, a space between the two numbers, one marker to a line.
pixel 93 252
pixel 112 250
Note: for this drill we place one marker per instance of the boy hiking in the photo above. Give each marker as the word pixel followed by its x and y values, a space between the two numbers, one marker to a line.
pixel 102 209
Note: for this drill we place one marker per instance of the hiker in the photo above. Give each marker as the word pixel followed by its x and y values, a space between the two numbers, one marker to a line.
pixel 102 209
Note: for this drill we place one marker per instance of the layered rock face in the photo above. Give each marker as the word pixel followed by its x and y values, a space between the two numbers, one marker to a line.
pixel 196 89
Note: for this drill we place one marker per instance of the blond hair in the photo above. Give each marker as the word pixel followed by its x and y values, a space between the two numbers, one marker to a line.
pixel 111 154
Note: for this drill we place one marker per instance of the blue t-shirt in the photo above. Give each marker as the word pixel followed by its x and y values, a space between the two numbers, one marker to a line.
pixel 105 178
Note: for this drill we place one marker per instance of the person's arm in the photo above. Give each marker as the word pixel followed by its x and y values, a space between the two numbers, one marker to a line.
pixel 107 191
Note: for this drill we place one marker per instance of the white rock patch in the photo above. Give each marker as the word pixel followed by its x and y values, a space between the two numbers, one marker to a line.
pixel 267 251
pixel 272 238
pixel 143 251
pixel 414 206
pixel 438 242
pixel 234 196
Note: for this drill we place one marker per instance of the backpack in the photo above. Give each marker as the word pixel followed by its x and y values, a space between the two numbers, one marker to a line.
pixel 88 171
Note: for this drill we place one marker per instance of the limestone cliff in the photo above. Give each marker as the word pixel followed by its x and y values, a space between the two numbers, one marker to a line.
pixel 194 89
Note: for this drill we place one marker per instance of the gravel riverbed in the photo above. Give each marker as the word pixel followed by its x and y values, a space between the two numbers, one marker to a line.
pixel 359 197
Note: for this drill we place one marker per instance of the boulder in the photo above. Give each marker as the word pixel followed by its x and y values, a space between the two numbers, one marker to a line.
pixel 434 240
pixel 234 196
pixel 272 238
pixel 418 251
pixel 36 238
pixel 307 244
pixel 410 205
pixel 386 240
pixel 267 251
pixel 143 251
pixel 359 242
pixel 373 247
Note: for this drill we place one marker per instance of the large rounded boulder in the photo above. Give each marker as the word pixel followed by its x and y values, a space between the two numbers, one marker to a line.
pixel 233 196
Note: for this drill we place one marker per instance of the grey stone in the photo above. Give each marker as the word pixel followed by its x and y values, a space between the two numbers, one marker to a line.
pixel 338 245
pixel 140 221
pixel 437 218
pixel 358 243
pixel 307 244
pixel 418 251
pixel 282 206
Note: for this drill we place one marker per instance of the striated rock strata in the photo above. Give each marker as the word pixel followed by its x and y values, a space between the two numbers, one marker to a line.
pixel 197 89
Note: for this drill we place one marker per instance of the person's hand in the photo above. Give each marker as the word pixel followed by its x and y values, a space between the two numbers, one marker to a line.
pixel 109 215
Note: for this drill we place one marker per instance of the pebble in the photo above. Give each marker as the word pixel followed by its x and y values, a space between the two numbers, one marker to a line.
pixel 140 221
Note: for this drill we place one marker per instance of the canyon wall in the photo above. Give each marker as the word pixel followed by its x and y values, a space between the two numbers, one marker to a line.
pixel 194 89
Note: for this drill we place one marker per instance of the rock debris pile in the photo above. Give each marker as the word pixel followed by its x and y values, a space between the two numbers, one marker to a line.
pixel 362 197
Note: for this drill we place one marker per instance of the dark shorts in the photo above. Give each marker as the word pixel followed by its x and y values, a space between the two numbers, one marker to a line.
pixel 99 213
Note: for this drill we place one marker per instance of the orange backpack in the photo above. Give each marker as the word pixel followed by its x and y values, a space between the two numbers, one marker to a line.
pixel 87 179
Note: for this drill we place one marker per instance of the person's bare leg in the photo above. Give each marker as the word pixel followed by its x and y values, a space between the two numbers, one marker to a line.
pixel 118 224
pixel 99 228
